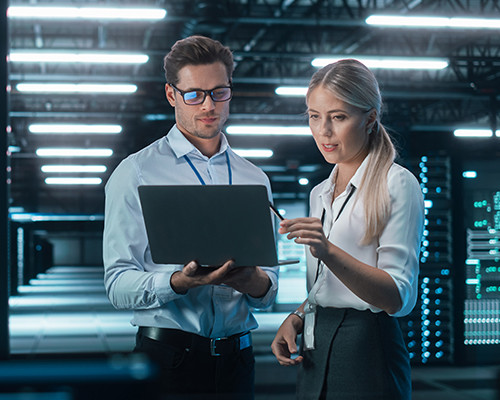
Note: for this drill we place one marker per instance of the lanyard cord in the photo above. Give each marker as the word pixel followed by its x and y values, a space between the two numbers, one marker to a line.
pixel 229 172
pixel 336 218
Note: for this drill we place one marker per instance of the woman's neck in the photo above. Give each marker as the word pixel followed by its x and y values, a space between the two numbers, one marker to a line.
pixel 343 176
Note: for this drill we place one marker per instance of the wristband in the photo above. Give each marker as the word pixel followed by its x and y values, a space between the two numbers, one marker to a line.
pixel 299 314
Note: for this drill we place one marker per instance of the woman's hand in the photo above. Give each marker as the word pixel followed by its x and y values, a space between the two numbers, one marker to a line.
pixel 308 231
pixel 284 343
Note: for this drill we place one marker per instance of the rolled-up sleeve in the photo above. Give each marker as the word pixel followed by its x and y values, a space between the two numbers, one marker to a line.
pixel 399 244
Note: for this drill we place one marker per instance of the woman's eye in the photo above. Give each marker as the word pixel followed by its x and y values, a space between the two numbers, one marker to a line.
pixel 338 117
pixel 313 116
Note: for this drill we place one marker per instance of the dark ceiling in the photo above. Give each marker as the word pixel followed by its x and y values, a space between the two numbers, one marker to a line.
pixel 273 42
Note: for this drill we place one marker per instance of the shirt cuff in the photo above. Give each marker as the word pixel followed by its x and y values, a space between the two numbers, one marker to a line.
pixel 268 299
pixel 163 289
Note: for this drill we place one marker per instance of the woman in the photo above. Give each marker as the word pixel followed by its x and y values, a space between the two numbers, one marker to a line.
pixel 362 245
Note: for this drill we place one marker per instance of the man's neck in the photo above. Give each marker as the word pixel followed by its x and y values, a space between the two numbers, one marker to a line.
pixel 207 147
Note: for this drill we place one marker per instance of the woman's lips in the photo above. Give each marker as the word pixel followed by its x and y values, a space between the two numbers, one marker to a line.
pixel 329 147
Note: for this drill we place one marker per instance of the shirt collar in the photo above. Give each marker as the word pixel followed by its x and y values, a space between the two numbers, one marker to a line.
pixel 355 180
pixel 181 146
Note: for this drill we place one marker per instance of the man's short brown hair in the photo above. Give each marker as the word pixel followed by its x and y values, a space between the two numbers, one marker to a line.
pixel 196 50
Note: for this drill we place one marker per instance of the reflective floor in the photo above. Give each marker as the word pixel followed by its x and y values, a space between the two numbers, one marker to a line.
pixel 65 311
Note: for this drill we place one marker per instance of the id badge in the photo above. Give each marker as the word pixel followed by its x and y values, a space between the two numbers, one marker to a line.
pixel 309 322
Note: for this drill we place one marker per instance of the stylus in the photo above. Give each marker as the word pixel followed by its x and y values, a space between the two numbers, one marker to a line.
pixel 276 212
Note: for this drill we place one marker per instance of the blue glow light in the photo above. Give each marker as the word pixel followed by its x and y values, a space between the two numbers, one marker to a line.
pixel 469 174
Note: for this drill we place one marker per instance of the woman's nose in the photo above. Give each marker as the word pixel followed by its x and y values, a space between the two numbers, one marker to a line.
pixel 326 128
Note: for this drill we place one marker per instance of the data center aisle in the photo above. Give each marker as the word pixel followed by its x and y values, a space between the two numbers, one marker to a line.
pixel 65 311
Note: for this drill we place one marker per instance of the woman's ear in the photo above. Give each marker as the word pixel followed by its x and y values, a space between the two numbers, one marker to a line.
pixel 169 93
pixel 371 121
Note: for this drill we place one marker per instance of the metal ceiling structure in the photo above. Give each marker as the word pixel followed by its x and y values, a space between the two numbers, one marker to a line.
pixel 273 42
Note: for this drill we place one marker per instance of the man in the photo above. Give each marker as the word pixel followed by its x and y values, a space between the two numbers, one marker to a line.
pixel 195 322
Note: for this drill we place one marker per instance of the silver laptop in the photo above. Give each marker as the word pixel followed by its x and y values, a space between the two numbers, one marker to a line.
pixel 210 224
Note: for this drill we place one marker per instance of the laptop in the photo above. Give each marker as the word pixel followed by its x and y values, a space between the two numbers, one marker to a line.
pixel 210 224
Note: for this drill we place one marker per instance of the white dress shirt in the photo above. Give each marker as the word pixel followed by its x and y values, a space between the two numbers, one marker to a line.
pixel 396 252
pixel 131 278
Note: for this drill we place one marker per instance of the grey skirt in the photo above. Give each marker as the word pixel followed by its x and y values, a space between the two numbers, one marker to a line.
pixel 358 355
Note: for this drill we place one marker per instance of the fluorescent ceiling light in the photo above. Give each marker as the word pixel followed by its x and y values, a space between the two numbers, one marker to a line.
pixel 474 133
pixel 267 130
pixel 303 181
pixel 254 153
pixel 80 57
pixel 73 181
pixel 72 152
pixel 291 90
pixel 73 168
pixel 94 13
pixel 76 88
pixel 74 128
pixel 432 22
pixel 387 62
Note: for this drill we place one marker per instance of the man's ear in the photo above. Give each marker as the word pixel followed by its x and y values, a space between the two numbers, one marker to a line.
pixel 169 93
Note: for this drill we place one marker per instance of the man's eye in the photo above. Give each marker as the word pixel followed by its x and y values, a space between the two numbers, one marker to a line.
pixel 191 95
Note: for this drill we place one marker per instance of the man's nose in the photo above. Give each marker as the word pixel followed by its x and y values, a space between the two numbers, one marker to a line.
pixel 208 103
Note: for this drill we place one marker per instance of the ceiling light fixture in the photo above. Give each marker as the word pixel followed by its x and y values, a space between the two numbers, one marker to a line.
pixel 254 153
pixel 80 57
pixel 73 152
pixel 475 132
pixel 291 90
pixel 76 88
pixel 93 13
pixel 397 21
pixel 387 62
pixel 268 130
pixel 75 128
pixel 73 181
pixel 73 168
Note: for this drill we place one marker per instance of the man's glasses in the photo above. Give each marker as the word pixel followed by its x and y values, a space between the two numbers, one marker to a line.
pixel 198 96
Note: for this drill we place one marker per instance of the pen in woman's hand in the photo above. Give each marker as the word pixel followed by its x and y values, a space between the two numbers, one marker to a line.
pixel 274 210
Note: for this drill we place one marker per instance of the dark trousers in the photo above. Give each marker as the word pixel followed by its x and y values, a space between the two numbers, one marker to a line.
pixel 190 373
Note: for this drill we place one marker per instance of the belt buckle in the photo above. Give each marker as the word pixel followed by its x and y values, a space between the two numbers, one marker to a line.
pixel 213 345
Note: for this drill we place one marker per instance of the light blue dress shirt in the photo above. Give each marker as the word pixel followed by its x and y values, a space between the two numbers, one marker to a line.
pixel 131 278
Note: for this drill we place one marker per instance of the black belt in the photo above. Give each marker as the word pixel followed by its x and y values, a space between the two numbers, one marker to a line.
pixel 214 346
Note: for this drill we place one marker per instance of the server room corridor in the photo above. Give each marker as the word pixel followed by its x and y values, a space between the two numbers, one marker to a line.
pixel 82 88
pixel 63 314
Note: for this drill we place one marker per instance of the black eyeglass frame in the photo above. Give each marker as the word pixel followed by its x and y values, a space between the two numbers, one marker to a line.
pixel 205 93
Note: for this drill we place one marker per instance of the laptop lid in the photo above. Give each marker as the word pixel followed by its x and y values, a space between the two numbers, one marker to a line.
pixel 209 223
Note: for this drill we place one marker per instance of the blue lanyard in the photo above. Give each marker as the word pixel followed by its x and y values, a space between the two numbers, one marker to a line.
pixel 229 172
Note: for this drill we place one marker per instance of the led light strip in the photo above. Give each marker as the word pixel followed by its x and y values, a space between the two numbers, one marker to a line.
pixel 73 57
pixel 76 88
pixel 432 22
pixel 92 13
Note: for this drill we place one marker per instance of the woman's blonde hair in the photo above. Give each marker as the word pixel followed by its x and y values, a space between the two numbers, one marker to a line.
pixel 353 83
